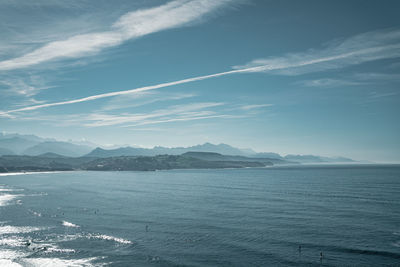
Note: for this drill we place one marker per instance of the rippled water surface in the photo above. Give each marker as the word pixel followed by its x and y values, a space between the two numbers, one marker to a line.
pixel 245 217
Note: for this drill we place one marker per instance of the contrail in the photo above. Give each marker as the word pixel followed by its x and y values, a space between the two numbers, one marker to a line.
pixel 259 68
pixel 132 91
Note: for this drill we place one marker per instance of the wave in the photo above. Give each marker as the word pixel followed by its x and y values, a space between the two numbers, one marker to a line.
pixel 13 241
pixel 7 198
pixel 16 259
pixel 58 262
pixel 68 224
pixel 8 229
pixel 8 263
pixel 5 190
pixel 396 244
pixel 24 173
pixel 8 254
pixel 110 238
pixel 60 250
pixel 38 214
pixel 66 238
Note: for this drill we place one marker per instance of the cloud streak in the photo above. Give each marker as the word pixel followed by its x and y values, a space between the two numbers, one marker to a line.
pixel 355 50
pixel 126 92
pixel 358 49
pixel 255 106
pixel 182 111
pixel 132 25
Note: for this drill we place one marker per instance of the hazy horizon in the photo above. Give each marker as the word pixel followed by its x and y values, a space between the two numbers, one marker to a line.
pixel 245 150
pixel 319 78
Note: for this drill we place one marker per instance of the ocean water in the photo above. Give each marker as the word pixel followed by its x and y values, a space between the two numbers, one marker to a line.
pixel 242 217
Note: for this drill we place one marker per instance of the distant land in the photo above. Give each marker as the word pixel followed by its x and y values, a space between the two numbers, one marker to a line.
pixel 33 153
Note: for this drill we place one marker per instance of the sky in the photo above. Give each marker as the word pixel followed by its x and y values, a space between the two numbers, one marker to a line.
pixel 292 77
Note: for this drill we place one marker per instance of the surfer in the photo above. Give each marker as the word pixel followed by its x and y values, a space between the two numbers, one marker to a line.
pixel 320 256
pixel 299 249
pixel 147 227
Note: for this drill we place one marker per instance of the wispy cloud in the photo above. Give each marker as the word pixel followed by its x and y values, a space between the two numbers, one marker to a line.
pixel 185 118
pixel 172 113
pixel 126 92
pixel 255 106
pixel 328 83
pixel 355 79
pixel 182 111
pixel 27 86
pixel 143 98
pixel 376 95
pixel 374 76
pixel 354 50
pixel 129 26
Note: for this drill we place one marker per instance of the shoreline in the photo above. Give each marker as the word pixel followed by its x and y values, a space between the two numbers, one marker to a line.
pixel 284 166
pixel 27 173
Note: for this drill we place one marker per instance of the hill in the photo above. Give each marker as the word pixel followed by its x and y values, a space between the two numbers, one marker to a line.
pixel 54 162
pixel 158 150
pixel 211 156
pixel 61 148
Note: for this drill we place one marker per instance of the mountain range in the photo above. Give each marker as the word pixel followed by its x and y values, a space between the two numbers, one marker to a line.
pixel 31 145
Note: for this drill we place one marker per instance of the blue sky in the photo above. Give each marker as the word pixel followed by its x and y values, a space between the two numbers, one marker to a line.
pixel 298 77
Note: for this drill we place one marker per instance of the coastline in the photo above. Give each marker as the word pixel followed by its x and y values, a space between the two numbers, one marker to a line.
pixel 280 166
pixel 27 173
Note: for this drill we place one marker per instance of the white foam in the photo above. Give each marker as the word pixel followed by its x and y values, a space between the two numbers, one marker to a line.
pixel 13 241
pixel 63 238
pixel 7 198
pixel 68 224
pixel 111 238
pixel 9 263
pixel 7 257
pixel 23 173
pixel 8 229
pixel 2 189
pixel 60 250
pixel 37 213
pixel 47 248
pixel 58 262
pixel 8 254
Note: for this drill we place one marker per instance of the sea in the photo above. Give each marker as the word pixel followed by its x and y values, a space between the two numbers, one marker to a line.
pixel 322 215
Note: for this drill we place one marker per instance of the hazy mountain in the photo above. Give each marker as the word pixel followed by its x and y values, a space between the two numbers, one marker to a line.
pixel 33 145
pixel 337 159
pixel 122 151
pixel 51 155
pixel 221 149
pixel 159 150
pixel 5 151
pixel 268 155
pixel 61 148
pixel 17 144
pixel 316 159
pixel 83 143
